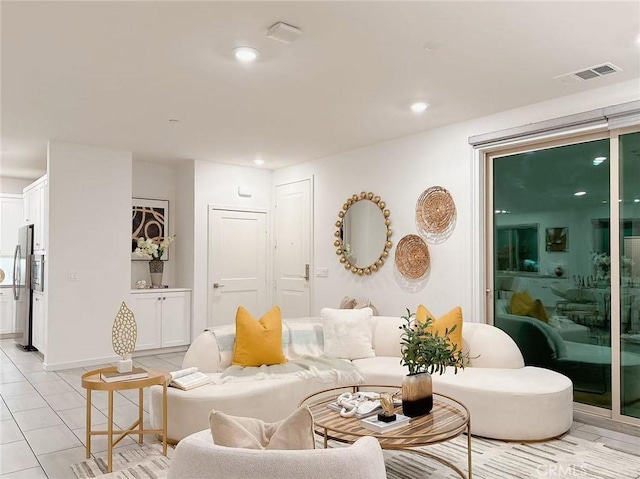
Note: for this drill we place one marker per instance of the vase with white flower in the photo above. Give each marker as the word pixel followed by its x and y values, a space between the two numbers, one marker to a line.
pixel 154 249
pixel 602 262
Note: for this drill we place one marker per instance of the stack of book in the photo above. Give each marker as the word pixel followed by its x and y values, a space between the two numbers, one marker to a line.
pixel 376 425
pixel 115 376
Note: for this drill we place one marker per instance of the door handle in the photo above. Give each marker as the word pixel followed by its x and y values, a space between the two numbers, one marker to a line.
pixel 306 271
pixel 217 285
pixel 16 273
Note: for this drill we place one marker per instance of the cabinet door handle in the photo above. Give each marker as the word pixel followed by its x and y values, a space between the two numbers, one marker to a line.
pixel 164 298
pixel 159 299
pixel 217 285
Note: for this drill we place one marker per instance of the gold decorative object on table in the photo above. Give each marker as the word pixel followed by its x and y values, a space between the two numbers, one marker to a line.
pixel 412 257
pixel 124 334
pixel 435 214
pixel 363 232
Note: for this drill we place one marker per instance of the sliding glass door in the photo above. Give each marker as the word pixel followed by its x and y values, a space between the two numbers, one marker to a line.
pixel 551 261
pixel 629 180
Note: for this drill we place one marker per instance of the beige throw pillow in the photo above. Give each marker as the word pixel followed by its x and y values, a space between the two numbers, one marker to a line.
pixel 293 432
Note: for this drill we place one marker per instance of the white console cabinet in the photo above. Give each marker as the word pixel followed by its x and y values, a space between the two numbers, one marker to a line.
pixel 163 317
pixel 10 221
pixel 38 314
pixel 35 212
pixel 7 310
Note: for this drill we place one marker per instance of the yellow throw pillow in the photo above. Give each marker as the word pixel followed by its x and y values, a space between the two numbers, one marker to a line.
pixel 258 342
pixel 521 302
pixel 537 311
pixel 444 322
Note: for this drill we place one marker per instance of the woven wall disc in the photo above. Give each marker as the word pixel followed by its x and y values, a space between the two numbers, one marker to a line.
pixel 412 257
pixel 435 214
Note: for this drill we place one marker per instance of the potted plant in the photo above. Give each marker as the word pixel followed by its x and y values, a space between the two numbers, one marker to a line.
pixel 424 353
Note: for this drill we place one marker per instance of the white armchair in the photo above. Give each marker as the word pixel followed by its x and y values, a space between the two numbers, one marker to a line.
pixel 197 457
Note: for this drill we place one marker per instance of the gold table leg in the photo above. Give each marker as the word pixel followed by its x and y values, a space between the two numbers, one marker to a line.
pixel 110 433
pixel 469 450
pixel 164 418
pixel 140 414
pixel 88 441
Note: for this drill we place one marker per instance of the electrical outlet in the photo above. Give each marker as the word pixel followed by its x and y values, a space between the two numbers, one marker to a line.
pixel 74 276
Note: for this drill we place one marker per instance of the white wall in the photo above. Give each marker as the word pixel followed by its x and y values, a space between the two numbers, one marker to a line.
pixel 217 185
pixel 399 170
pixel 156 181
pixel 13 186
pixel 89 231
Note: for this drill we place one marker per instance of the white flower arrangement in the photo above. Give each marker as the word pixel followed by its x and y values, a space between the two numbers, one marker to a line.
pixel 153 248
pixel 602 260
pixel 626 263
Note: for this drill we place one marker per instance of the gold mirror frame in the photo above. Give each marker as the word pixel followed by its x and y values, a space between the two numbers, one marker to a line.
pixel 363 196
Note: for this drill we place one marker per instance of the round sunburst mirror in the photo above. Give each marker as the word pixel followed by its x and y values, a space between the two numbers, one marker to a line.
pixel 363 232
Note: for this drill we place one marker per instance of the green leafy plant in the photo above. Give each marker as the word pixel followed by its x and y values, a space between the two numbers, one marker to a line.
pixel 423 351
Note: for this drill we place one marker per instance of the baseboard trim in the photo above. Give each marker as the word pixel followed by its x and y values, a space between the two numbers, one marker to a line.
pixel 605 422
pixel 79 364
pixel 110 359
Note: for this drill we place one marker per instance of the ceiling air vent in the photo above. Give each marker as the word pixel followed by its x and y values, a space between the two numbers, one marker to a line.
pixel 588 73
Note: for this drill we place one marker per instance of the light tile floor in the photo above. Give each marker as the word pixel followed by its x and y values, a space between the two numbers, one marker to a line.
pixel 42 416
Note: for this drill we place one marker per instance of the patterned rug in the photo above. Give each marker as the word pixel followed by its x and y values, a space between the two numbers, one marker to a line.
pixel 134 463
pixel 567 457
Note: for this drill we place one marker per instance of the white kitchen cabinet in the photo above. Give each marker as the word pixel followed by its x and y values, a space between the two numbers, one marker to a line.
pixel 163 317
pixel 7 311
pixel 10 221
pixel 38 314
pixel 35 212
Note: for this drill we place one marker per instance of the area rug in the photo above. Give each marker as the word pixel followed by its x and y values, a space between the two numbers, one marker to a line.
pixel 566 457
pixel 133 463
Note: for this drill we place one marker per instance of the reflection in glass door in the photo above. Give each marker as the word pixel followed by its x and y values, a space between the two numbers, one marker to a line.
pixel 629 148
pixel 551 268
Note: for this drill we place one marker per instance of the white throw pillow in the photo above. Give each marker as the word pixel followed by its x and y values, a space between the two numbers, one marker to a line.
pixel 347 333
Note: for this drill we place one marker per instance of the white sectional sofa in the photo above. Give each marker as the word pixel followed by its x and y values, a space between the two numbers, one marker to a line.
pixel 506 399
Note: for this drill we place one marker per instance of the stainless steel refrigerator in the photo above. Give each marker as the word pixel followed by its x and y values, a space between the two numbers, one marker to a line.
pixel 22 287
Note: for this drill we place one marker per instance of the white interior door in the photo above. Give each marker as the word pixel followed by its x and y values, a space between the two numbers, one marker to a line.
pixel 237 264
pixel 292 258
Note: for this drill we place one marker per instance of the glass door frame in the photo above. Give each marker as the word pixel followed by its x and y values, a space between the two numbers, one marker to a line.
pixel 484 227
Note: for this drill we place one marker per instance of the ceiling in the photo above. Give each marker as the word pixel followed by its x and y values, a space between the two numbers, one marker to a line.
pixel 114 73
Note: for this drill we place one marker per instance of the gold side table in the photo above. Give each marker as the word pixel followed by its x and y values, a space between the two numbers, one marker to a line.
pixel 91 382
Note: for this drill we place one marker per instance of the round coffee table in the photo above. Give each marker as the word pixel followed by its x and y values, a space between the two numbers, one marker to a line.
pixel 448 419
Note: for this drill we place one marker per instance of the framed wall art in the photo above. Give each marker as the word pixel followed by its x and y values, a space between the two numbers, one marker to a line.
pixel 557 239
pixel 149 219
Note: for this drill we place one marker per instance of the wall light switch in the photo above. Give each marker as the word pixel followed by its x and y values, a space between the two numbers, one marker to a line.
pixel 322 272
pixel 74 276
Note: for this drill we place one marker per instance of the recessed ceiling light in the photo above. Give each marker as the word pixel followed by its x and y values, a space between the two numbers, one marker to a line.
pixel 580 193
pixel 258 161
pixel 245 54
pixel 419 106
